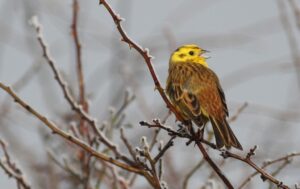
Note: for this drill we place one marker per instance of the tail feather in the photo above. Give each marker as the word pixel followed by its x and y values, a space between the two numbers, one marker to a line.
pixel 224 135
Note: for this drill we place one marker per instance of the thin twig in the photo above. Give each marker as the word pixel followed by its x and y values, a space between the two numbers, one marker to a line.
pixel 76 107
pixel 11 168
pixel 55 129
pixel 247 160
pixel 147 58
pixel 169 144
pixel 238 112
pixel 83 145
pixel 214 166
pixel 192 171
pixel 144 53
pixel 265 165
pixel 156 131
pixel 292 39
pixel 127 144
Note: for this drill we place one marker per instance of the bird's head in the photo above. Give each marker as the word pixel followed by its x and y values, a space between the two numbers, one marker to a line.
pixel 189 53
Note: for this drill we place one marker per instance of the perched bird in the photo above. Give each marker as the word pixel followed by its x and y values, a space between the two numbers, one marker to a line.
pixel 195 91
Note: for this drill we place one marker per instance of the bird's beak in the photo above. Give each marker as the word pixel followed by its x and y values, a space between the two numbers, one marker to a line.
pixel 203 53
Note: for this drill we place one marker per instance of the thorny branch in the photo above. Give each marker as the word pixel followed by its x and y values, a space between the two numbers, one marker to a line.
pixel 76 107
pixel 144 53
pixel 267 164
pixel 11 168
pixel 248 160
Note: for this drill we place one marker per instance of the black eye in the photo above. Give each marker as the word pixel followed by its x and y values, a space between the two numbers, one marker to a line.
pixel 191 53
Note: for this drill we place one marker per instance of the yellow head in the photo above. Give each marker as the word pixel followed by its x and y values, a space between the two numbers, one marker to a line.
pixel 188 53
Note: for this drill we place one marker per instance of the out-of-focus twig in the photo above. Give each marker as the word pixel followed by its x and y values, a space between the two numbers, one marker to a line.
pixel 11 168
pixel 248 160
pixel 56 130
pixel 292 39
pixel 267 164
pixel 191 172
pixel 157 124
pixel 81 88
pixel 296 10
pixel 79 66
pixel 156 131
pixel 238 112
pixel 164 149
pixel 144 53
pixel 75 106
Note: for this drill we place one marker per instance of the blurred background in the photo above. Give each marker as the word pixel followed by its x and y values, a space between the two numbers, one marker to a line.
pixel 254 49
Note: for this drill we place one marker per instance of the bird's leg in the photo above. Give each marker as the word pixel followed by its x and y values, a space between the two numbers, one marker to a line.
pixel 187 128
pixel 200 132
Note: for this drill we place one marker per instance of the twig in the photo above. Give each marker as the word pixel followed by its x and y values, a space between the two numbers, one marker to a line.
pixel 127 144
pixel 164 149
pixel 56 130
pixel 156 132
pixel 64 167
pixel 147 155
pixel 214 166
pixel 292 39
pixel 82 101
pixel 78 53
pixel 238 112
pixel 172 132
pixel 247 160
pixel 76 107
pixel 66 135
pixel 11 168
pixel 79 68
pixel 189 175
pixel 265 165
pixel 144 53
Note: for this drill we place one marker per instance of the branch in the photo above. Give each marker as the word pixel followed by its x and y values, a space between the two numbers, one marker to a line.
pixel 11 168
pixel 144 53
pixel 214 166
pixel 169 144
pixel 267 164
pixel 80 77
pixel 247 160
pixel 78 52
pixel 55 129
pixel 189 175
pixel 75 107
pixel 238 112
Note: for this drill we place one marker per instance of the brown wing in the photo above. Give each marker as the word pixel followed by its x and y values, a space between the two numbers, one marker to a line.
pixel 179 93
pixel 195 89
pixel 204 84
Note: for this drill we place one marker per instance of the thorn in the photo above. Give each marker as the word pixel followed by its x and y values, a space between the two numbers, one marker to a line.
pixel 251 152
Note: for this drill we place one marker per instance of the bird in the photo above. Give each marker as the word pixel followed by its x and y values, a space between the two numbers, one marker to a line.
pixel 196 93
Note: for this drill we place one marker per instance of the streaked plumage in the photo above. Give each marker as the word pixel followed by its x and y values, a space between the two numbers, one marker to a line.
pixel 195 91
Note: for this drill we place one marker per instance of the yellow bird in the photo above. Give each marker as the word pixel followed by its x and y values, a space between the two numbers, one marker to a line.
pixel 194 89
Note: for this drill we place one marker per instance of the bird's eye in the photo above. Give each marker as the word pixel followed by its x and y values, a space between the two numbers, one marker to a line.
pixel 191 53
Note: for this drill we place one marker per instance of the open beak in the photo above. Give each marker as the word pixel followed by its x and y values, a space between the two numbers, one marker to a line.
pixel 203 53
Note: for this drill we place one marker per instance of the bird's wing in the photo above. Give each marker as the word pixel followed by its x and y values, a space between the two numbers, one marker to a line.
pixel 186 100
pixel 204 84
pixel 198 92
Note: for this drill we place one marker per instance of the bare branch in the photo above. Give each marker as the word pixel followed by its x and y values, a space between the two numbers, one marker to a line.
pixel 55 129
pixel 11 168
pixel 247 160
pixel 266 164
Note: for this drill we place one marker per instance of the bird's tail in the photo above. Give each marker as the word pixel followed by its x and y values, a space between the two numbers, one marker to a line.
pixel 224 135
